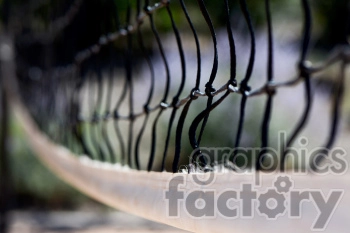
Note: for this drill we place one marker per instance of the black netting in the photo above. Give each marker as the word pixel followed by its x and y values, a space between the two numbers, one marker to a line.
pixel 115 80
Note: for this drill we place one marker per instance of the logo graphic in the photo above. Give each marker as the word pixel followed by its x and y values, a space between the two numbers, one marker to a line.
pixel 196 196
pixel 246 201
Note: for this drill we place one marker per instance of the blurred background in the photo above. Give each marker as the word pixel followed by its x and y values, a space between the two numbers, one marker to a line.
pixel 38 201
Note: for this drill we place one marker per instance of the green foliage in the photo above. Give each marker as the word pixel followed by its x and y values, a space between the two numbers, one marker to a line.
pixel 32 183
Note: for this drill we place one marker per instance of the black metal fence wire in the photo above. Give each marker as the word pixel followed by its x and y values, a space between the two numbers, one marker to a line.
pixel 95 140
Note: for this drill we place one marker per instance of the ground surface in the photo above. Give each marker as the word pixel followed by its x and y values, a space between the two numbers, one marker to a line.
pixel 83 222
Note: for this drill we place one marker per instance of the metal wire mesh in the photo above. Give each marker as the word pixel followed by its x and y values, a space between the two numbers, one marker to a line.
pixel 71 112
